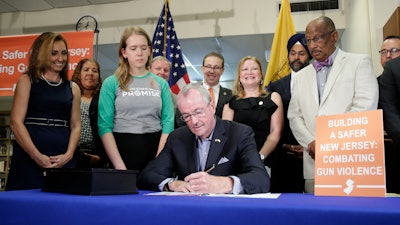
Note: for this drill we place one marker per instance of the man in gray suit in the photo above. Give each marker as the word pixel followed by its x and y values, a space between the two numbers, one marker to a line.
pixel 336 82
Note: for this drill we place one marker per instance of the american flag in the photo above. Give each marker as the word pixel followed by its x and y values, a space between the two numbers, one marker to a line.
pixel 165 42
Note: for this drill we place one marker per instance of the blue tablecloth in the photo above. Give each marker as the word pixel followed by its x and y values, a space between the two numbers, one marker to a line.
pixel 37 207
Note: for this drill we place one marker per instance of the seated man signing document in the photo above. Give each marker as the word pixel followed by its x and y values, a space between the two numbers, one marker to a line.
pixel 209 155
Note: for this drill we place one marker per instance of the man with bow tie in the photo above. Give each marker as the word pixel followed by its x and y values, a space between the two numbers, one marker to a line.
pixel 336 82
pixel 209 155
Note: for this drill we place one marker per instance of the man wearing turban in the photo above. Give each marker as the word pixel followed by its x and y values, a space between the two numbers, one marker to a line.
pixel 288 165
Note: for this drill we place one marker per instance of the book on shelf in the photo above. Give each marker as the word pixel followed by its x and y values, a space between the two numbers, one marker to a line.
pixel 3 148
pixel 2 166
pixel 3 132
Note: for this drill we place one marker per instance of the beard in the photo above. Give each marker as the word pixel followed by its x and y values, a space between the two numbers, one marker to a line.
pixel 297 65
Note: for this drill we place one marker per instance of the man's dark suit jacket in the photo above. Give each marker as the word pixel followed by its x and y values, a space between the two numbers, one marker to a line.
pixel 389 101
pixel 233 151
pixel 389 92
pixel 288 169
pixel 282 86
pixel 224 96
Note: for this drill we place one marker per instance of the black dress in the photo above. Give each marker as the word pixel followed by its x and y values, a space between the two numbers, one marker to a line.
pixel 47 121
pixel 255 112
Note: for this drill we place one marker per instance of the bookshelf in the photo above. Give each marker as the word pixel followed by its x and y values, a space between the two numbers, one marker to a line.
pixel 6 147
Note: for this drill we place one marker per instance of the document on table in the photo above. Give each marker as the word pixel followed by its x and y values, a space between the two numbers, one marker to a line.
pixel 392 195
pixel 260 195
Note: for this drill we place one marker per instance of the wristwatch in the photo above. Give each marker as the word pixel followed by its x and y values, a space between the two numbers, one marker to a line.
pixel 262 157
pixel 166 186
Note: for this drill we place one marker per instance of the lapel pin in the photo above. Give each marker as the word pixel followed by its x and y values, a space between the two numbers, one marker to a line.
pixel 217 140
pixel 260 103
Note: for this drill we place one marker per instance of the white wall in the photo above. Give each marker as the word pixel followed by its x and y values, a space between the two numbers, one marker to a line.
pixel 364 27
pixel 192 18
pixel 362 20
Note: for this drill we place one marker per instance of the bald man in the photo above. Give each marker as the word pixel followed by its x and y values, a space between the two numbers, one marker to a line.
pixel 336 82
pixel 390 49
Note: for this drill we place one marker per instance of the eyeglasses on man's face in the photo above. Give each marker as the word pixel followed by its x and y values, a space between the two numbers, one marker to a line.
pixel 318 39
pixel 212 68
pixel 393 51
pixel 198 113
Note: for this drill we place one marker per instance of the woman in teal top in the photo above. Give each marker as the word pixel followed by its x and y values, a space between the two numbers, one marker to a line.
pixel 136 112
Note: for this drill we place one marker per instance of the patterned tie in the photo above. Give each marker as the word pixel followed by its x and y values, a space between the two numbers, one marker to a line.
pixel 326 63
pixel 211 90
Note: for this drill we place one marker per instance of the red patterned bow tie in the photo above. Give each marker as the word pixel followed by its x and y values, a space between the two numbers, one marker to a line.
pixel 326 63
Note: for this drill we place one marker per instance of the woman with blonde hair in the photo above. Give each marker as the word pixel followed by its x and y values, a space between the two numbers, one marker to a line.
pixel 253 106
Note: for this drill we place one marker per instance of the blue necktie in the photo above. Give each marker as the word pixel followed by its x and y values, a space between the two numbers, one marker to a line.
pixel 326 63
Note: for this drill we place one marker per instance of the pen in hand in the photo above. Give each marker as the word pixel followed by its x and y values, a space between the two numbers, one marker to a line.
pixel 209 169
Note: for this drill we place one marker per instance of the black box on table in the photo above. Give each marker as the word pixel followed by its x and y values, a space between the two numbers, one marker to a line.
pixel 93 181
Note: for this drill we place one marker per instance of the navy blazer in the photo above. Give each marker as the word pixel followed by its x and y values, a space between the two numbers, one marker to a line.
pixel 224 96
pixel 282 86
pixel 233 151
pixel 389 98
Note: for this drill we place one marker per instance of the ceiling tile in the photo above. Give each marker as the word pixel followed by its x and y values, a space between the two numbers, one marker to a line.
pixel 69 3
pixel 32 5
pixel 5 7
pixel 107 1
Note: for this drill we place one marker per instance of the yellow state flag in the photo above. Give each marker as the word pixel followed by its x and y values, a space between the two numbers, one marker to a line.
pixel 278 65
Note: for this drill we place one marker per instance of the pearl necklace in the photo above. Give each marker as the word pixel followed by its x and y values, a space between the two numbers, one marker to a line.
pixel 51 84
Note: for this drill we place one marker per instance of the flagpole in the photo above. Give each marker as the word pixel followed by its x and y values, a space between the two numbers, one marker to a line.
pixel 166 2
